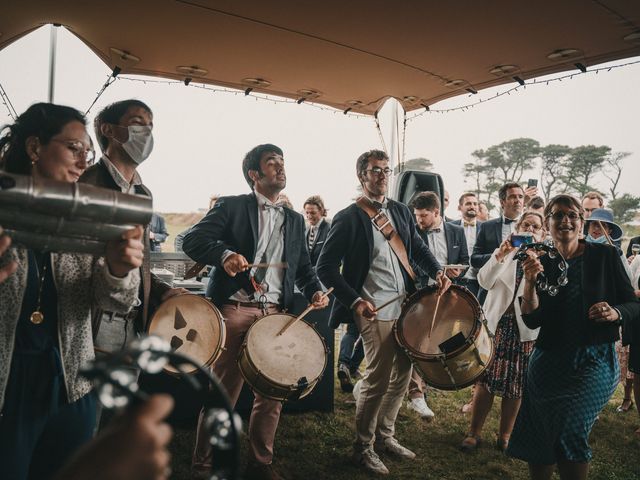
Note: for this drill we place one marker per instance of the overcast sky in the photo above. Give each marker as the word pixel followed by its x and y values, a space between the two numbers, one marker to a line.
pixel 201 137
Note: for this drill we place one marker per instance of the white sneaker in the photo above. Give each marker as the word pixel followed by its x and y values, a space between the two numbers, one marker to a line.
pixel 392 446
pixel 419 405
pixel 356 390
pixel 370 461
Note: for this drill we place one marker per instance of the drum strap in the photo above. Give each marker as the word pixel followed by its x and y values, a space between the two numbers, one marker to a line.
pixel 382 223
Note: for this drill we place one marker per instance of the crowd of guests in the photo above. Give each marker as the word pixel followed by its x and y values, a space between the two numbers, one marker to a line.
pixel 558 358
pixel 557 353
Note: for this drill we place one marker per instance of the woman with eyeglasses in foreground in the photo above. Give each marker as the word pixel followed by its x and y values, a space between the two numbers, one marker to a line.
pixel 46 299
pixel 502 276
pixel 573 370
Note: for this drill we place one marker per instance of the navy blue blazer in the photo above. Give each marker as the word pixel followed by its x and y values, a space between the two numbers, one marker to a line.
pixel 318 242
pixel 457 253
pixel 489 237
pixel 345 247
pixel 232 224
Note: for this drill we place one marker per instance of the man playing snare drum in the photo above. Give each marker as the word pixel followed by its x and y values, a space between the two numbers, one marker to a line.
pixel 374 240
pixel 237 232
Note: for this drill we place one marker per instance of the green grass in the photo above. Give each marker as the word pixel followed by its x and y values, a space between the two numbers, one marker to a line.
pixel 318 445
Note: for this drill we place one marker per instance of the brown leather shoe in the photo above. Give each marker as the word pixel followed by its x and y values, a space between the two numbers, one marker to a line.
pixel 260 471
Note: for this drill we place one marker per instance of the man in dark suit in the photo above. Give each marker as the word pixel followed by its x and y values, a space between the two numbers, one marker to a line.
pixel 448 244
pixel 493 232
pixel 468 207
pixel 366 260
pixel 351 351
pixel 318 226
pixel 238 231
pixel 123 130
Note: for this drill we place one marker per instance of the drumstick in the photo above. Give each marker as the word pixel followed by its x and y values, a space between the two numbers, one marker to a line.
pixel 394 299
pixel 435 310
pixel 299 317
pixel 269 265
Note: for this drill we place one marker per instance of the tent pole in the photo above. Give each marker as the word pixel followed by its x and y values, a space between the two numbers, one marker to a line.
pixel 53 40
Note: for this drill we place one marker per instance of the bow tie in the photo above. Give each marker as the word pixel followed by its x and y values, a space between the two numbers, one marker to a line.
pixel 434 230
pixel 469 224
pixel 277 206
pixel 508 221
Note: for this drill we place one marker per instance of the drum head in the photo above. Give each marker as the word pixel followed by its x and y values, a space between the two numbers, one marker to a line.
pixel 454 321
pixel 299 352
pixel 192 325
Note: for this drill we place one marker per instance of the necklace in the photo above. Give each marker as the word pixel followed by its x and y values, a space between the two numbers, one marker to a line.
pixel 37 317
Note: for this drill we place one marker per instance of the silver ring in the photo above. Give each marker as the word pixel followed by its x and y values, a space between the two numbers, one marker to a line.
pixel 603 309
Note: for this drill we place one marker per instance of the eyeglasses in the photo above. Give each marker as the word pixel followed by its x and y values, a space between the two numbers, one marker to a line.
pixel 571 215
pixel 379 171
pixel 79 151
pixel 532 226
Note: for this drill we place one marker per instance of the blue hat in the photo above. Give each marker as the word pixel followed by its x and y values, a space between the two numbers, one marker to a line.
pixel 605 215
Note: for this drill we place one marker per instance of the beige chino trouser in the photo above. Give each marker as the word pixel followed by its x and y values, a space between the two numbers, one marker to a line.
pixel 265 413
pixel 384 384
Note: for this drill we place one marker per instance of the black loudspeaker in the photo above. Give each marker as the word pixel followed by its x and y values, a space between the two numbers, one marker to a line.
pixel 408 183
pixel 321 398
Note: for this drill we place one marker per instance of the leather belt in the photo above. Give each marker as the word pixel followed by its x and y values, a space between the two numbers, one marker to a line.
pixel 111 316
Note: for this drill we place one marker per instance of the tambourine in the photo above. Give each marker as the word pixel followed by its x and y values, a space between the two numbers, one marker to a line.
pixel 542 281
pixel 116 384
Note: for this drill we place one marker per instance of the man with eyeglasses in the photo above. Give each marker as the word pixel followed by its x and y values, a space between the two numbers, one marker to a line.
pixel 239 231
pixel 493 232
pixel 123 130
pixel 366 260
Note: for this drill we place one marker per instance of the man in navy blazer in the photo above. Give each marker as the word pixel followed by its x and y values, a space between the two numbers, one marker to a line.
pixel 493 232
pixel 445 240
pixel 238 231
pixel 373 274
pixel 318 226
pixel 468 206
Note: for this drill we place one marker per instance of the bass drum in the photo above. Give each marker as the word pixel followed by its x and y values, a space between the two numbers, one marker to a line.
pixel 451 349
pixel 282 367
pixel 193 326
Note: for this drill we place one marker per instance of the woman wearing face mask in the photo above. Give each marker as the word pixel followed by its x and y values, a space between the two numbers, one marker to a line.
pixel 46 300
pixel 501 276
pixel 573 370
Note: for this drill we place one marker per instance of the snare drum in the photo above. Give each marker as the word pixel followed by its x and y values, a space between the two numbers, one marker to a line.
pixel 285 367
pixel 192 325
pixel 460 346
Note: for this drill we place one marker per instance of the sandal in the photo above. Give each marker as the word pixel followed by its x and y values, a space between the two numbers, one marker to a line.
pixel 502 444
pixel 470 443
pixel 625 406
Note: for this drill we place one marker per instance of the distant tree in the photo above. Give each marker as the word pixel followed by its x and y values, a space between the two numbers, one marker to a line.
pixel 419 163
pixel 514 157
pixel 624 207
pixel 553 165
pixel 499 164
pixel 582 165
pixel 613 171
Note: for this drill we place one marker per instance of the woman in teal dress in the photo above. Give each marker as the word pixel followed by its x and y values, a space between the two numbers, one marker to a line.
pixel 573 370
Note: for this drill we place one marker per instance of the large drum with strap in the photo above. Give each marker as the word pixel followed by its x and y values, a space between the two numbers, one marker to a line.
pixel 282 367
pixel 445 337
pixel 192 325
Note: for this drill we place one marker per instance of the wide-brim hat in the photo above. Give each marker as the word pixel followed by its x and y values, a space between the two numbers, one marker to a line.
pixel 605 215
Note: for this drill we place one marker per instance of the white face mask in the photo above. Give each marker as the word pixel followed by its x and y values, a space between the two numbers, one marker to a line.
pixel 140 143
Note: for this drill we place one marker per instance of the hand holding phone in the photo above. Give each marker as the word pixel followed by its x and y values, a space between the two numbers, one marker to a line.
pixel 521 239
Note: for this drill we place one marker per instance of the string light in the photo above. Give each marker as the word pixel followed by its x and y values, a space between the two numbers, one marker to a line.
pixel 462 108
pixel 246 93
